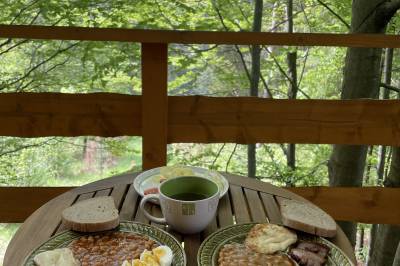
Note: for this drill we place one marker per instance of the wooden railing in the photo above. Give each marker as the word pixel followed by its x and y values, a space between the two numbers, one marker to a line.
pixel 161 119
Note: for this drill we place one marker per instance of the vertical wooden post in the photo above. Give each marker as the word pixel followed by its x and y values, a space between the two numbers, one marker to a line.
pixel 154 104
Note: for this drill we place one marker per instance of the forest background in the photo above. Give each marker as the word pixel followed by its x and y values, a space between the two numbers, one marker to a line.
pixel 211 70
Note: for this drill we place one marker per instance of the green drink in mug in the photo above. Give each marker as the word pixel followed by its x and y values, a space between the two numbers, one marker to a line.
pixel 188 203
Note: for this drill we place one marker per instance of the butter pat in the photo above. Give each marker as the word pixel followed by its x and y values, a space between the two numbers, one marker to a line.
pixel 56 257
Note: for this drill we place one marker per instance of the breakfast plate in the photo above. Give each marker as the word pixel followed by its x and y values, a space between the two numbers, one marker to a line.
pixel 160 237
pixel 149 181
pixel 209 250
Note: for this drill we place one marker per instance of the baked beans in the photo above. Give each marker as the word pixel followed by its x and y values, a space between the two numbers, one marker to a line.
pixel 110 249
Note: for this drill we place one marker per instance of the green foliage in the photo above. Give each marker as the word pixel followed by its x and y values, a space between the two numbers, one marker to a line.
pixel 213 70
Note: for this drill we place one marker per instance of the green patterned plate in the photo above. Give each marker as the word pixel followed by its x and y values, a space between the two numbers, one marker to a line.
pixel 209 249
pixel 65 238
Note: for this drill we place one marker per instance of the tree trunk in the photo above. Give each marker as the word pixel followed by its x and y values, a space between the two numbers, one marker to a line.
pixel 368 172
pixel 361 80
pixel 361 240
pixel 387 71
pixel 396 261
pixel 255 77
pixel 292 74
pixel 385 245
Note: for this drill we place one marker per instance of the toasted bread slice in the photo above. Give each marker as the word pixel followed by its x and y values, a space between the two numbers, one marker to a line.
pixel 91 215
pixel 306 217
pixel 269 238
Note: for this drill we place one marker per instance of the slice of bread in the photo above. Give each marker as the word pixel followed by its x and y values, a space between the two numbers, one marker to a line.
pixel 91 215
pixel 306 217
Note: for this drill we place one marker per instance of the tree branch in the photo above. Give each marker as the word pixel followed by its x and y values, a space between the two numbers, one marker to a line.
pixel 389 87
pixel 304 67
pixel 22 10
pixel 284 73
pixel 59 51
pixel 242 12
pixel 230 157
pixel 334 13
pixel 387 10
pixel 197 50
pixel 392 6
pixel 236 46
pixel 26 147
pixel 13 46
pixel 217 156
pixel 269 93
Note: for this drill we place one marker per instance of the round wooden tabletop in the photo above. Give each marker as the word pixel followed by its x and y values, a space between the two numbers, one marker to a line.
pixel 248 200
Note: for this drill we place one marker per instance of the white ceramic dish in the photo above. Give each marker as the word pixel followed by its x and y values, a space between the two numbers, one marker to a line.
pixel 151 178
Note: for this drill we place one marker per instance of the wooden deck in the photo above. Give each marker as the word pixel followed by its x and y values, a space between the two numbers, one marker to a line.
pixel 204 119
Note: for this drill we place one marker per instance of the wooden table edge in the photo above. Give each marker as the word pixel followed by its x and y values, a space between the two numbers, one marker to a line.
pixel 128 178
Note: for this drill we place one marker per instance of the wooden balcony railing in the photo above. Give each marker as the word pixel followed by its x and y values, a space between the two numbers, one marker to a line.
pixel 161 119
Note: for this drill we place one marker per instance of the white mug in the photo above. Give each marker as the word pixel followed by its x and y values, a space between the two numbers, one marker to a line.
pixel 188 203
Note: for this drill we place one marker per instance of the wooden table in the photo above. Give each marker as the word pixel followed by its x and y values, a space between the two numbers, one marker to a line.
pixel 248 200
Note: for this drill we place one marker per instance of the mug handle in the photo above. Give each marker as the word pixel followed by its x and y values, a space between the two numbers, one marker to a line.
pixel 148 215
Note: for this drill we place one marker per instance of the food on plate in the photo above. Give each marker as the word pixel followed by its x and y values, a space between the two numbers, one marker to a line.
pixel 166 172
pixel 148 258
pixel 307 218
pixel 269 238
pixel 111 248
pixel 91 215
pixel 60 256
pixel 239 255
pixel 309 253
pixel 164 255
pixel 307 258
pixel 318 248
pixel 126 263
pixel 152 190
pixel 159 256
pixel 174 171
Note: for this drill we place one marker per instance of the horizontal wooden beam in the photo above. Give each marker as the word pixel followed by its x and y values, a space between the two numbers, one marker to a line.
pixel 251 120
pixel 200 119
pixel 198 37
pixel 17 203
pixel 367 205
pixel 61 114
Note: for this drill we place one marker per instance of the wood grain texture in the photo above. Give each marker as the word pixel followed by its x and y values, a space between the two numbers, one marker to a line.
pixel 17 203
pixel 253 120
pixel 366 205
pixel 239 204
pixel 199 119
pixel 61 114
pixel 225 216
pixel 154 105
pixel 118 194
pixel 256 208
pixel 191 37
pixel 48 215
pixel 211 228
pixel 272 208
pixel 37 229
pixel 192 244
pixel 130 205
pixel 103 192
